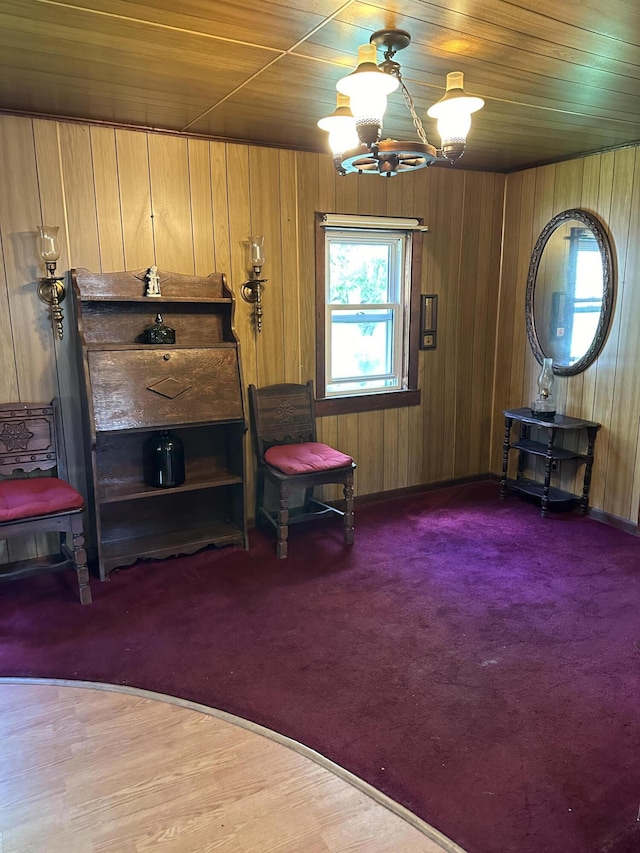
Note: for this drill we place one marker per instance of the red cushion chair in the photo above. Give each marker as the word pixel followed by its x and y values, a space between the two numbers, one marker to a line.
pixel 27 498
pixel 32 504
pixel 306 458
pixel 291 458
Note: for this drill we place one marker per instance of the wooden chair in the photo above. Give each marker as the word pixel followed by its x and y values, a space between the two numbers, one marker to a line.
pixel 290 457
pixel 39 504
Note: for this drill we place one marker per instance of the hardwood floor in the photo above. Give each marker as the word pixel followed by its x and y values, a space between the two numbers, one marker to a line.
pixel 91 769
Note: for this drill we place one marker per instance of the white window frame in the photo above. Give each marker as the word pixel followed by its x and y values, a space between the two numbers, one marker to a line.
pixel 399 288
pixel 404 235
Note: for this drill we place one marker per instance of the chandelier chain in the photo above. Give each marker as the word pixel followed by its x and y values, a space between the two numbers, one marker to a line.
pixel 416 118
pixel 391 67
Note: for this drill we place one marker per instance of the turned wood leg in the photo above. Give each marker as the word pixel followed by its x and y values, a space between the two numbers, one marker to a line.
pixel 544 503
pixel 584 500
pixel 525 432
pixel 348 511
pixel 80 561
pixel 283 522
pixel 505 457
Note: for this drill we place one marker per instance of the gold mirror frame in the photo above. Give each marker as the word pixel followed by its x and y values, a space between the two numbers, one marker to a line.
pixel 595 226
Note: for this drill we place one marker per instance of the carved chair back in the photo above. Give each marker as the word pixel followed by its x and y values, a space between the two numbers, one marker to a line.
pixel 28 439
pixel 282 414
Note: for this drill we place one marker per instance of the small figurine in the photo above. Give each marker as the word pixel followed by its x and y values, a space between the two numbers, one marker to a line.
pixel 153 282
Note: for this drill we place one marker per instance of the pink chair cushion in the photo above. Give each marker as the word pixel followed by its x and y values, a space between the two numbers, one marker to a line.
pixel 306 458
pixel 26 498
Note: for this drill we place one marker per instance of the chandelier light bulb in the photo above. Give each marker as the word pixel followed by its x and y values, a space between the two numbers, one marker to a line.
pixel 367 88
pixel 339 142
pixel 454 126
pixel 453 113
pixel 341 127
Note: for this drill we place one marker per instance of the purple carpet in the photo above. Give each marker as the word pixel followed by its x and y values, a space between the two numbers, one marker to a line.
pixel 477 663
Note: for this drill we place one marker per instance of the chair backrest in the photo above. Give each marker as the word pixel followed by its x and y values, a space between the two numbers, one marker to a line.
pixel 28 439
pixel 282 414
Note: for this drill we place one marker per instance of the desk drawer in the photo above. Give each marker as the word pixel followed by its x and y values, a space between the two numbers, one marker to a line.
pixel 163 386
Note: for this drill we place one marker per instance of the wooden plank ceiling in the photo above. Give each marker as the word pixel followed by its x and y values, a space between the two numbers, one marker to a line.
pixel 558 79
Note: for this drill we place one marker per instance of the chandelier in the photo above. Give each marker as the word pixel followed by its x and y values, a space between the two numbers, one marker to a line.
pixel 355 127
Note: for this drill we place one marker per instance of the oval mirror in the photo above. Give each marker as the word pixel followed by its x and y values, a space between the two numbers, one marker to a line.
pixel 569 292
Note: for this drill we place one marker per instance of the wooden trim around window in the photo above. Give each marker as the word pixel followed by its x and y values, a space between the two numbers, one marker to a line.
pixel 321 314
pixel 368 402
pixel 414 307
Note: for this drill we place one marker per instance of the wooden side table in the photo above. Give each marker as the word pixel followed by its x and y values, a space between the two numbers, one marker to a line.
pixel 525 445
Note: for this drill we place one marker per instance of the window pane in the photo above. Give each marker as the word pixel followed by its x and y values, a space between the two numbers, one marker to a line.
pixel 361 343
pixel 359 273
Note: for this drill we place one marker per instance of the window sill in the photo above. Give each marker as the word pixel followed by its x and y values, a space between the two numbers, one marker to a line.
pixel 367 402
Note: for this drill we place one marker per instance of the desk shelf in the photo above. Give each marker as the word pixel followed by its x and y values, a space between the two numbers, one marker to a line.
pixel 124 552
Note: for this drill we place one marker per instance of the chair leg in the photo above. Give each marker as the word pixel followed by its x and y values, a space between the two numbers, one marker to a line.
pixel 283 522
pixel 80 561
pixel 348 512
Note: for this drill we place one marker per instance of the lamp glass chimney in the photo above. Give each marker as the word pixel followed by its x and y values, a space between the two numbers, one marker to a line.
pixel 49 248
pixel 256 251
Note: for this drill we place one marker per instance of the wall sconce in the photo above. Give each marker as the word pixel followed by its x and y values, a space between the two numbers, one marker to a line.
pixel 51 290
pixel 252 289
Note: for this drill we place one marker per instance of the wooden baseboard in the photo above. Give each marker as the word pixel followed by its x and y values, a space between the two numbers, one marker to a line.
pixel 392 494
pixel 614 521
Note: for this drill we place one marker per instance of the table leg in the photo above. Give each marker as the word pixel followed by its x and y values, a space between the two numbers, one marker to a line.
pixel 525 432
pixel 505 457
pixel 544 504
pixel 584 500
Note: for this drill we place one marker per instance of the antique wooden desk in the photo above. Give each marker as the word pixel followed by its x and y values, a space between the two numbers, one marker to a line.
pixel 132 390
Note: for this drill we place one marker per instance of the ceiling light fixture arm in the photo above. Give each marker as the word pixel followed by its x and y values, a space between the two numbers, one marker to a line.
pixel 416 118
pixel 393 41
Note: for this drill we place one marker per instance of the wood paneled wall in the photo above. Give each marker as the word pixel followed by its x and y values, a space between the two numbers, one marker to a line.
pixel 608 391
pixel 129 199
